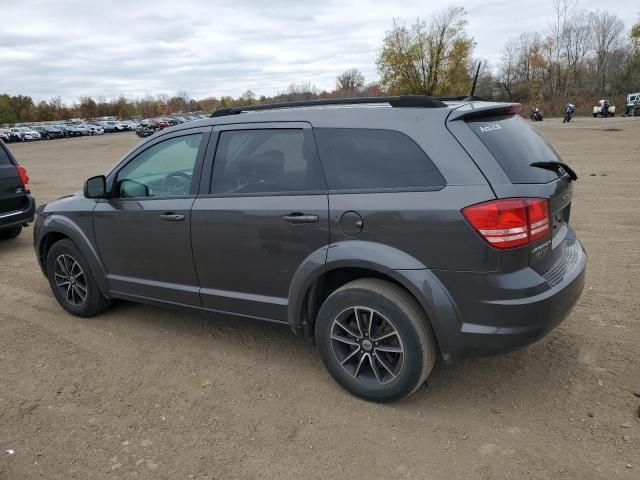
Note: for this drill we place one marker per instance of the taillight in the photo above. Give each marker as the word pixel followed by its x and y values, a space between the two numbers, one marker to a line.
pixel 510 222
pixel 538 212
pixel 25 178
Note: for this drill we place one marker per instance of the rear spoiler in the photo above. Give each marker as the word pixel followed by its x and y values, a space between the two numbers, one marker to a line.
pixel 472 110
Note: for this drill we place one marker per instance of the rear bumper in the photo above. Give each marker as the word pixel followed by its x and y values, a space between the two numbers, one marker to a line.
pixel 500 312
pixel 18 217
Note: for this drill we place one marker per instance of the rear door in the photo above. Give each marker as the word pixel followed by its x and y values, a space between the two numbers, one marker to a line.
pixel 263 213
pixel 504 146
pixel 12 197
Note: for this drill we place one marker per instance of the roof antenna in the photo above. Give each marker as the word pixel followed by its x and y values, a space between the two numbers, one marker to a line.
pixel 475 81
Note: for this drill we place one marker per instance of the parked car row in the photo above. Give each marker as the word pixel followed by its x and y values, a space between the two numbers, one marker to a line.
pixel 47 132
pixel 151 125
pixel 143 128
pixel 19 134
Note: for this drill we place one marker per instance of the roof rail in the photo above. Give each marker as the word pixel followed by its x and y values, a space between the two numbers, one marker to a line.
pixel 412 101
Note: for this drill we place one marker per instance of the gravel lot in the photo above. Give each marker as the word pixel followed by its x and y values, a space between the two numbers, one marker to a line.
pixel 120 395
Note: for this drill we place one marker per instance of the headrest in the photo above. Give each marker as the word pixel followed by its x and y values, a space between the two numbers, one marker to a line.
pixel 266 163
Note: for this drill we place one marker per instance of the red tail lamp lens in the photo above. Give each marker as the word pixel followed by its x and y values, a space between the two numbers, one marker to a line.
pixel 24 177
pixel 511 222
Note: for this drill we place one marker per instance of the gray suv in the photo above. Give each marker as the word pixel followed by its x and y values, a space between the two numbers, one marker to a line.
pixel 386 230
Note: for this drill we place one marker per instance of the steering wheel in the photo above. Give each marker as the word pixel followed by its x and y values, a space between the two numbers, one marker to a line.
pixel 176 183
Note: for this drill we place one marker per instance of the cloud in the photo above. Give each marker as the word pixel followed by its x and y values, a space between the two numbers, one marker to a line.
pixel 72 48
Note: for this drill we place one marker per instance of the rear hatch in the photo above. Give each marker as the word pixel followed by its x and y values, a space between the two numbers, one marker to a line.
pixel 12 196
pixel 504 146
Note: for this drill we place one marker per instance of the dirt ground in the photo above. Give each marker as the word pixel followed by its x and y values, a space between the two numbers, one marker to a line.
pixel 120 396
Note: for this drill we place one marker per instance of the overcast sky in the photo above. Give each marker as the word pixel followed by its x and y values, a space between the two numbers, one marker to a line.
pixel 73 48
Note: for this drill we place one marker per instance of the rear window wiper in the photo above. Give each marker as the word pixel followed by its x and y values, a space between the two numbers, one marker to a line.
pixel 555 166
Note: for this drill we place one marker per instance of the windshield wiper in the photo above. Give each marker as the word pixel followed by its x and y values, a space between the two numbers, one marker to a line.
pixel 555 166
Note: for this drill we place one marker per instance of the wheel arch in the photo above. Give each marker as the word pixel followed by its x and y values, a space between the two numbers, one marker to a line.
pixel 58 228
pixel 314 282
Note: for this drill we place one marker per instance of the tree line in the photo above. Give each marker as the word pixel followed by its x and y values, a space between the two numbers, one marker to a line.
pixel 579 57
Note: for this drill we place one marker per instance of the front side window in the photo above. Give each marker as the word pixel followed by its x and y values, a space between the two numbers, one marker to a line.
pixel 372 159
pixel 163 170
pixel 266 161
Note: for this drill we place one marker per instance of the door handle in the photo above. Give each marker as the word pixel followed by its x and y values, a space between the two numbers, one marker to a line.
pixel 297 218
pixel 172 217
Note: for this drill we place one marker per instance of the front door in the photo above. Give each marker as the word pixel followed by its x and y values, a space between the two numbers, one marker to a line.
pixel 265 213
pixel 142 231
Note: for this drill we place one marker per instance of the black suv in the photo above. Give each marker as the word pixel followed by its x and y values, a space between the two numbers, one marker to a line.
pixel 386 230
pixel 16 203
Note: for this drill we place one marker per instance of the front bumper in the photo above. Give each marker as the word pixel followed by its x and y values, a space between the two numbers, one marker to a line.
pixel 501 312
pixel 18 217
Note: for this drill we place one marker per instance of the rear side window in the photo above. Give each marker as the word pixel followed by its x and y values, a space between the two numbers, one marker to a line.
pixel 370 159
pixel 266 161
pixel 515 145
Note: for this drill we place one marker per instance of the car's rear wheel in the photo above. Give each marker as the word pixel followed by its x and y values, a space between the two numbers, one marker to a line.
pixel 9 233
pixel 72 281
pixel 375 340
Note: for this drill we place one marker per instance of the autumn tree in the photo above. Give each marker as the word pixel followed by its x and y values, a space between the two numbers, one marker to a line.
pixel 301 91
pixel 350 82
pixel 7 114
pixel 23 107
pixel 606 28
pixel 248 98
pixel 635 36
pixel 226 102
pixel 44 112
pixel 88 108
pixel 427 58
pixel 508 69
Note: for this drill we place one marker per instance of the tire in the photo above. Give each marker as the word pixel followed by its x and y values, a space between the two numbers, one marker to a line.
pixel 60 260
pixel 399 324
pixel 9 233
pixel 595 115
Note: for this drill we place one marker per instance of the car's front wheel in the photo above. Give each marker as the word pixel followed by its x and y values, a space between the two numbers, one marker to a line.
pixel 72 281
pixel 375 341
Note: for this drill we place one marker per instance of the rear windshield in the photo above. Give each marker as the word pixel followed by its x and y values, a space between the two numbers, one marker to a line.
pixel 4 157
pixel 515 145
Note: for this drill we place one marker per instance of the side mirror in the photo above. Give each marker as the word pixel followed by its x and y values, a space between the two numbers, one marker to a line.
pixel 132 189
pixel 95 187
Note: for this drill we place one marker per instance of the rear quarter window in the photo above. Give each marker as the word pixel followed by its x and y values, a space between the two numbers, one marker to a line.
pixel 515 145
pixel 374 159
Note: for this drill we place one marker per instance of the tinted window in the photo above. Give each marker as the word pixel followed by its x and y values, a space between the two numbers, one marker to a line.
pixel 357 159
pixel 515 146
pixel 163 170
pixel 4 158
pixel 266 161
